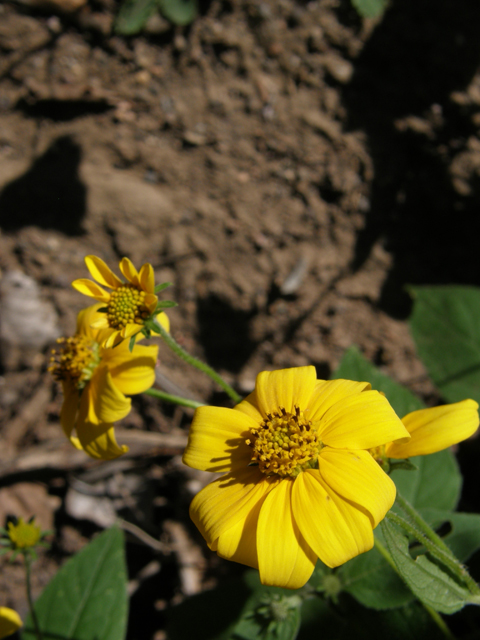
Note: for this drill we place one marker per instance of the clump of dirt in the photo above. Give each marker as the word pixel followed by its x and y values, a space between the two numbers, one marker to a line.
pixel 288 166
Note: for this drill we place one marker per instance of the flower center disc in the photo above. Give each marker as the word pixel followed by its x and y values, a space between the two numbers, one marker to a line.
pixel 126 306
pixel 76 360
pixel 285 444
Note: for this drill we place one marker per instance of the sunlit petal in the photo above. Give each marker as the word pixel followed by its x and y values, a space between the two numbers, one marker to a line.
pixel 89 288
pixel 129 271
pixel 239 543
pixel 131 372
pixel 99 441
pixel 355 476
pixel 10 622
pixel 285 388
pixel 146 277
pixel 164 320
pixel 335 529
pixel 329 392
pixel 70 406
pixel 106 403
pixel 284 557
pixel 249 405
pixel 102 273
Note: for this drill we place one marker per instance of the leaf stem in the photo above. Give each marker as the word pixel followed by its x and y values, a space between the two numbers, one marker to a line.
pixel 168 397
pixel 38 631
pixel 195 362
pixel 436 617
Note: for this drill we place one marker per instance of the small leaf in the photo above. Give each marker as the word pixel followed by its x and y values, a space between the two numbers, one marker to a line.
pixel 427 581
pixel 370 8
pixel 133 15
pixel 165 304
pixel 161 287
pixel 131 344
pixel 180 12
pixel 445 325
pixel 355 367
pixel 87 599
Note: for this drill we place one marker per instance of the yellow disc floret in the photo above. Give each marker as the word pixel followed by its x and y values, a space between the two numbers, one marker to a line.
pixel 24 534
pixel 76 360
pixel 285 444
pixel 126 306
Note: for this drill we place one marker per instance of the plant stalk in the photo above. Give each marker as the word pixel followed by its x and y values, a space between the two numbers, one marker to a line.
pixel 36 624
pixel 168 397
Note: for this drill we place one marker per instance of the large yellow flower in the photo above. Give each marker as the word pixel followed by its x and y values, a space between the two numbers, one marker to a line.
pixel 128 305
pixel 9 622
pixel 299 481
pixel 95 381
pixel 435 429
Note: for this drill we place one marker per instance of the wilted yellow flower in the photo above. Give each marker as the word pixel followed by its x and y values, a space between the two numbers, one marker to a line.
pixel 95 381
pixel 24 535
pixel 299 480
pixel 128 305
pixel 9 622
pixel 434 429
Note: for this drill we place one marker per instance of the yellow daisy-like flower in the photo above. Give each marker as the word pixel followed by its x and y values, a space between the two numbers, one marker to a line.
pixel 299 483
pixel 95 381
pixel 24 535
pixel 128 305
pixel 435 429
pixel 9 622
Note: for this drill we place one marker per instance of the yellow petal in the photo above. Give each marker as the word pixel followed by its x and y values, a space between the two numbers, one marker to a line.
pixel 104 402
pixel 9 622
pixel 150 301
pixel 147 278
pixel 334 528
pixel 131 372
pixel 130 330
pixel 164 320
pixel 284 557
pixel 239 543
pixel 249 405
pixel 285 388
pixel 102 273
pixel 112 340
pixel 329 392
pixel 355 476
pixel 216 441
pixel 129 271
pixel 435 429
pixel 227 501
pixel 71 401
pixel 361 421
pixel 91 289
pixel 99 441
pixel 87 317
pixel 100 323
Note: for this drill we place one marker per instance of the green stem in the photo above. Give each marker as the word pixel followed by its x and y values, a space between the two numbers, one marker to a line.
pixel 183 402
pixel 198 364
pixel 439 544
pixel 446 559
pixel 38 632
pixel 436 617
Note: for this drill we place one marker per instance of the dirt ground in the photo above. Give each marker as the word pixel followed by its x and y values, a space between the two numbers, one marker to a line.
pixel 288 166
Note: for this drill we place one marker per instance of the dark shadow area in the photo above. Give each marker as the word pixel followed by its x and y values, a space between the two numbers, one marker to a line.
pixel 49 195
pixel 62 110
pixel 417 56
pixel 224 333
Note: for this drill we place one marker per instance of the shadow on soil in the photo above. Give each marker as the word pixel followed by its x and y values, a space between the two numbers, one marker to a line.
pixel 49 195
pixel 417 56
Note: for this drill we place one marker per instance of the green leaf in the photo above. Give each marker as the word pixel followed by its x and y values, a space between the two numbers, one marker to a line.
pixel 428 582
pixel 165 304
pixel 370 8
pixel 180 12
pixel 87 599
pixel 421 487
pixel 372 581
pixel 161 287
pixel 133 15
pixel 445 325
pixel 355 367
pixel 464 537
pixel 131 344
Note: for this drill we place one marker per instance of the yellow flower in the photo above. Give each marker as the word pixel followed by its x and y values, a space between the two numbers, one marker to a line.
pixel 95 381
pixel 128 305
pixel 299 481
pixel 435 429
pixel 24 535
pixel 9 622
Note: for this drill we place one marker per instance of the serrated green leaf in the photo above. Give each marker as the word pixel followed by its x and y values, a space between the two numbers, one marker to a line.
pixel 133 15
pixel 445 325
pixel 87 599
pixel 427 581
pixel 421 488
pixel 370 8
pixel 355 367
pixel 464 538
pixel 180 12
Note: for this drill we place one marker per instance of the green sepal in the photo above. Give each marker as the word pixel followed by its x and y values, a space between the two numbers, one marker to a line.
pixel 131 344
pixel 164 304
pixel 402 464
pixel 161 287
pixel 102 310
